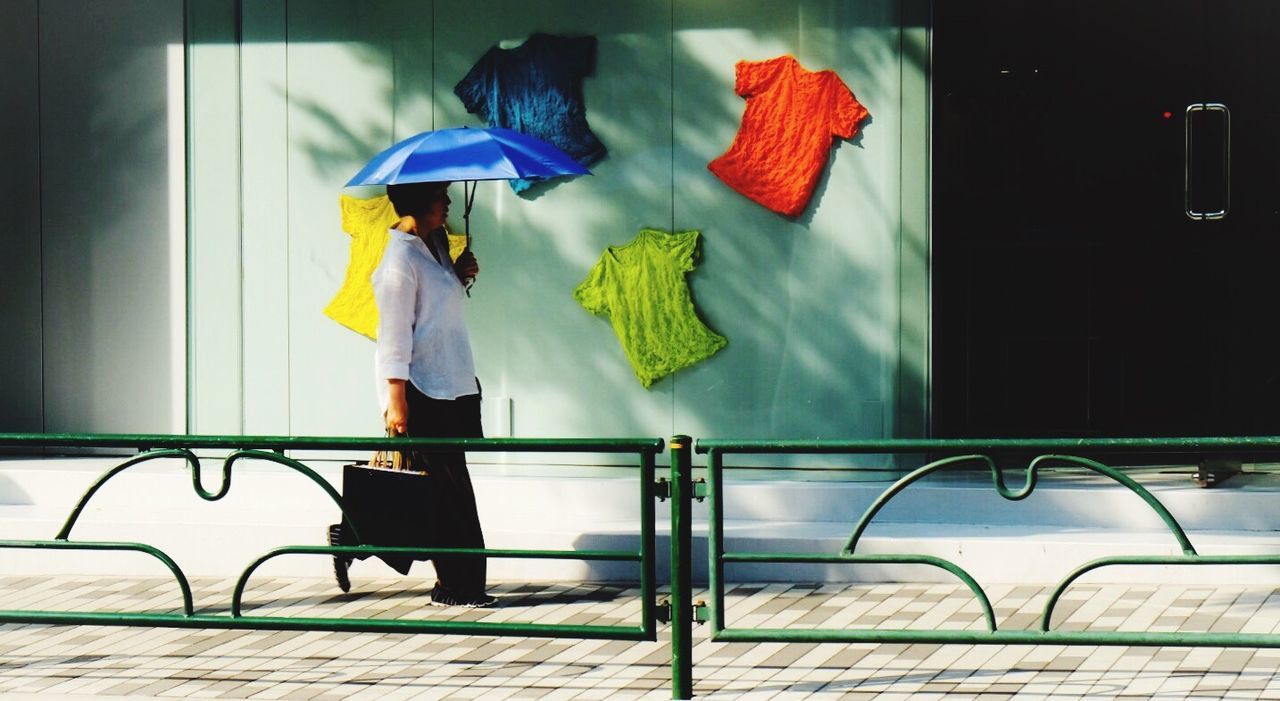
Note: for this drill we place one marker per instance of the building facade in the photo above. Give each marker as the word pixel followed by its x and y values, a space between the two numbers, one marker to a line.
pixel 175 228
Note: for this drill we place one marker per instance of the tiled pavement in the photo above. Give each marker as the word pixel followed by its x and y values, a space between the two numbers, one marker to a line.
pixel 105 662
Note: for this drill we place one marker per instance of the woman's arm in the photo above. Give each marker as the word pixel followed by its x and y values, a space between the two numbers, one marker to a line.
pixel 397 414
pixel 395 293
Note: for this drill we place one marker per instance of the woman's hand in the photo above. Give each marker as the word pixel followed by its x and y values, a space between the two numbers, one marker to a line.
pixel 466 267
pixel 397 414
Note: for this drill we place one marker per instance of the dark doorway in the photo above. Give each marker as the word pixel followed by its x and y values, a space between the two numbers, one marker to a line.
pixel 1106 218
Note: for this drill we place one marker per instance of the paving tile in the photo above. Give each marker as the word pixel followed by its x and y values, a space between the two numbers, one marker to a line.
pixel 79 661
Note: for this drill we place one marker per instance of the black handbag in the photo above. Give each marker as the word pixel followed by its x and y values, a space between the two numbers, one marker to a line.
pixel 391 507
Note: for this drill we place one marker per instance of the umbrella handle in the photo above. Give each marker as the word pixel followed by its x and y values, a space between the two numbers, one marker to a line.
pixel 467 199
pixel 468 282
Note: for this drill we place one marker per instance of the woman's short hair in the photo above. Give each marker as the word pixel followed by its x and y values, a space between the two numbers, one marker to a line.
pixel 414 198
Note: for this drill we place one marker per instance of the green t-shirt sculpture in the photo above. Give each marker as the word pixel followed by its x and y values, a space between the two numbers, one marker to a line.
pixel 640 287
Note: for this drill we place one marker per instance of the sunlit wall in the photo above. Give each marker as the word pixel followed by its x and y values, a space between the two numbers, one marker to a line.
pixel 826 314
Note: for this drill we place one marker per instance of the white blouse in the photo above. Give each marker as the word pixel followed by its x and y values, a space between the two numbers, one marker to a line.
pixel 422 332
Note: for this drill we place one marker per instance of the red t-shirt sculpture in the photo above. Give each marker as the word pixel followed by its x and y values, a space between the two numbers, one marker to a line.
pixel 792 117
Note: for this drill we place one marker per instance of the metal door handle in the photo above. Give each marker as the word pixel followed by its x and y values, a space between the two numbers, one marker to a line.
pixel 1226 161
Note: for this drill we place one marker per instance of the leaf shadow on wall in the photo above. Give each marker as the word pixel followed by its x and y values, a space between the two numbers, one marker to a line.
pixel 803 302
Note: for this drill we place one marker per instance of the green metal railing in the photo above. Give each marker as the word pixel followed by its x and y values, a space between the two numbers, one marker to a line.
pixel 680 611
pixel 974 454
pixel 271 449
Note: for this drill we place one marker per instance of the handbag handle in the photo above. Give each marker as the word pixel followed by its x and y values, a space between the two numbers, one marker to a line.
pixel 400 460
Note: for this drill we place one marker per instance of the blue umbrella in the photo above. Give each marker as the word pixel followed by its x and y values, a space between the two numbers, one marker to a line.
pixel 467 154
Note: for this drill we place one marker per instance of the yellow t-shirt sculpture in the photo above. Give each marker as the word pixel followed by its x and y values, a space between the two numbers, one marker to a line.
pixel 368 221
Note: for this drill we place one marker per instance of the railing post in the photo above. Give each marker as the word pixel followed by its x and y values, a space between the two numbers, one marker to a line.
pixel 681 567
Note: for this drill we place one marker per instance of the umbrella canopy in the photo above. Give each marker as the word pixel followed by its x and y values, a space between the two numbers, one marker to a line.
pixel 466 153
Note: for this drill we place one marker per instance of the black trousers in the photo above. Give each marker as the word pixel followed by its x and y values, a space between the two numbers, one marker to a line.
pixel 459 525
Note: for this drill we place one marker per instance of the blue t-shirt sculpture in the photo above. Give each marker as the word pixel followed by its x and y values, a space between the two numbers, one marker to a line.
pixel 536 89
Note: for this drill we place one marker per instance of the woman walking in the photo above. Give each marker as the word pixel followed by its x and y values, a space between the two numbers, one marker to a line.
pixel 426 378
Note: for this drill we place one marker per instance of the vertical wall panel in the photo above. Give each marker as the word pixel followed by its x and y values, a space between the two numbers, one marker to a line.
pixel 411 33
pixel 809 304
pixel 264 157
pixel 340 76
pixel 912 417
pixel 109 236
pixel 216 396
pixel 21 403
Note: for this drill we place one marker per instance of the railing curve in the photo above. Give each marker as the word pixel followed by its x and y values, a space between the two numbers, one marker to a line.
pixel 1052 452
pixel 1029 485
pixel 271 449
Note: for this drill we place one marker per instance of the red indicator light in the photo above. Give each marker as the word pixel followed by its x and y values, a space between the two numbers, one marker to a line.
pixel 1167 115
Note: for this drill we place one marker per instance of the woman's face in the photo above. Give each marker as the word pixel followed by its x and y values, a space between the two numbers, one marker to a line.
pixel 435 215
